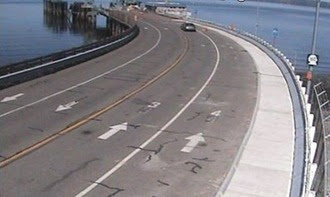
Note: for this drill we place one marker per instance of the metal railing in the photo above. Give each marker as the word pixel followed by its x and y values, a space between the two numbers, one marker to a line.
pixel 320 153
pixel 26 70
pixel 314 178
pixel 301 169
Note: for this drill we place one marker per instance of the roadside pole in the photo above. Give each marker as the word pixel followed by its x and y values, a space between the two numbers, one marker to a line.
pixel 309 74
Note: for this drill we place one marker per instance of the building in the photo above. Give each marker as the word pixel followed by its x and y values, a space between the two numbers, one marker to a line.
pixel 169 9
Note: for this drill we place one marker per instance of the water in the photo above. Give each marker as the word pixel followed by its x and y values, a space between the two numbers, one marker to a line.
pixel 25 32
pixel 295 25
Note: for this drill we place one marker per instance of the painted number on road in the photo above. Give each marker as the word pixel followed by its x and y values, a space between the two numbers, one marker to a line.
pixel 213 116
pixel 216 113
pixel 154 105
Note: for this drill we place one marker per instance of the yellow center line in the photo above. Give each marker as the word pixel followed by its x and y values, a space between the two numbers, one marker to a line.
pixel 93 115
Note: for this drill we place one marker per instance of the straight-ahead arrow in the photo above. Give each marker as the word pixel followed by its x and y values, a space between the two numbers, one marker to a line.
pixel 11 98
pixel 66 106
pixel 113 130
pixel 194 140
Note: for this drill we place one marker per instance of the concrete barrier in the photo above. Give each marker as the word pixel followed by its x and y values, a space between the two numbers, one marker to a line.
pixel 27 70
pixel 300 179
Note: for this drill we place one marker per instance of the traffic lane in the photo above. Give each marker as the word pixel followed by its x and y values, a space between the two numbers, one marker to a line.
pixel 80 157
pixel 182 163
pixel 39 121
pixel 50 84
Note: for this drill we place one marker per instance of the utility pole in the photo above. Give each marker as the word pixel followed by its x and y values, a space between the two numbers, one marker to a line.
pixel 309 74
pixel 257 19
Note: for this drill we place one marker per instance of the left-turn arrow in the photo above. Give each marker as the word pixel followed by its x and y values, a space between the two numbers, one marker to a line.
pixel 11 98
pixel 66 106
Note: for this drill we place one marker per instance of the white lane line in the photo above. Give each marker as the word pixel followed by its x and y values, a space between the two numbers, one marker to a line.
pixel 11 98
pixel 63 59
pixel 132 154
pixel 90 80
pixel 113 130
pixel 193 142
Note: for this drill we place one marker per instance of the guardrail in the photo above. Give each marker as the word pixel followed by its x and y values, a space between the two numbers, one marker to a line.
pixel 320 108
pixel 302 171
pixel 37 67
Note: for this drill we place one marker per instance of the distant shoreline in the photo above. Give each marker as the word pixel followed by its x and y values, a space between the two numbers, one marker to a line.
pixel 304 3
pixel 296 2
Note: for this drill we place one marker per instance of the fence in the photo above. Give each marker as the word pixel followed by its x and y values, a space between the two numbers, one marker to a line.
pixel 320 153
pixel 311 159
pixel 300 179
pixel 312 177
pixel 37 67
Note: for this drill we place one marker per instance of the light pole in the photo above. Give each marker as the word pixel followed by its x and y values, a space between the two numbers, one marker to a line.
pixel 257 19
pixel 309 75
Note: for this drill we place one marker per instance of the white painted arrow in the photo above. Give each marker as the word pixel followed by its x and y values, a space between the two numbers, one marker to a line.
pixel 194 140
pixel 66 106
pixel 113 130
pixel 11 98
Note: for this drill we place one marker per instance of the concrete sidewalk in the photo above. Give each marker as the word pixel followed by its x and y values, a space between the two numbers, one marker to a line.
pixel 264 167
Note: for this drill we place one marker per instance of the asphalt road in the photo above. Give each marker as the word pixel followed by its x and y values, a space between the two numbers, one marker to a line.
pixel 174 106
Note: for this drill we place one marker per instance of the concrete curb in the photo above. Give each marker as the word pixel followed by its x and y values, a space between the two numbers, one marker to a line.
pixel 298 176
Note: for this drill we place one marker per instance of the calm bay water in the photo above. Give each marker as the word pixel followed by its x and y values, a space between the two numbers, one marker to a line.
pixel 26 33
pixel 295 25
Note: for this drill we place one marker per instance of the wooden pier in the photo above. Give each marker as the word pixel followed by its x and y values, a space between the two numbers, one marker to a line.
pixel 55 7
pixel 85 14
pixel 83 11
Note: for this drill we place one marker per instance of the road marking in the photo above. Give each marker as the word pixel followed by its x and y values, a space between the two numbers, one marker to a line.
pixel 95 114
pixel 154 105
pixel 132 154
pixel 216 113
pixel 11 98
pixel 113 130
pixel 149 107
pixel 213 116
pixel 90 80
pixel 66 106
pixel 194 140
